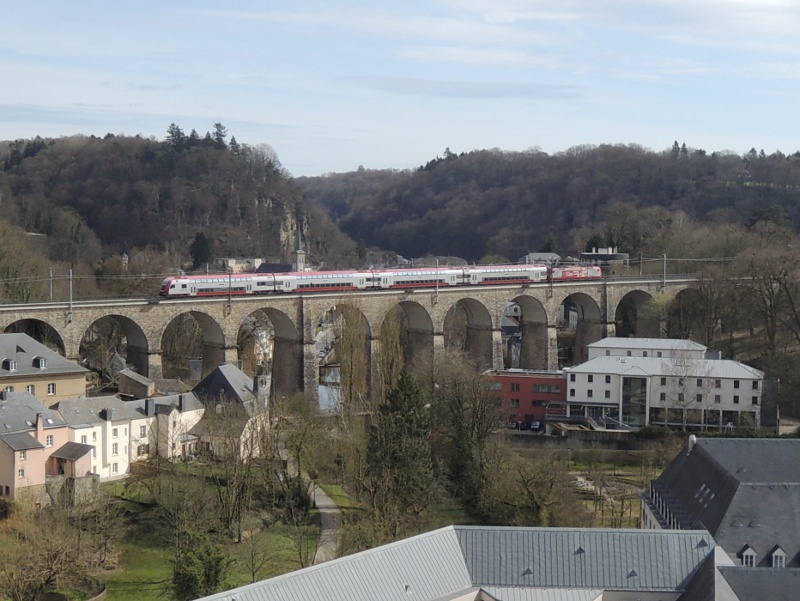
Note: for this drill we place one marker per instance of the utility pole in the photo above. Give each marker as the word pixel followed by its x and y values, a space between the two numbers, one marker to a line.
pixel 664 279
pixel 51 284
pixel 70 296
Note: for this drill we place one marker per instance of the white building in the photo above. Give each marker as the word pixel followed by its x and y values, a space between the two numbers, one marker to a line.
pixel 641 390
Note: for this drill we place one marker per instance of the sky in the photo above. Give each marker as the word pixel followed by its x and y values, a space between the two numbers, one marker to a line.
pixel 335 85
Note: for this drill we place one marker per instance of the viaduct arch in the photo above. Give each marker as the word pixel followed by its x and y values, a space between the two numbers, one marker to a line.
pixel 467 317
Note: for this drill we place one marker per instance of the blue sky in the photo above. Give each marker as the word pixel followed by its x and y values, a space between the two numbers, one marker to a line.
pixel 338 84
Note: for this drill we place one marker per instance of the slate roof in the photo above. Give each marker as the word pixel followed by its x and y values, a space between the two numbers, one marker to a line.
pixel 758 584
pixel 18 413
pixel 23 349
pixel 233 385
pixel 136 377
pixel 657 366
pixel 20 441
pixel 513 564
pixel 755 485
pixel 81 413
pixel 72 451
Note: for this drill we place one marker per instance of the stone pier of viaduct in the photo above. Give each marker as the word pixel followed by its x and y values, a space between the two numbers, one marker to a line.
pixel 295 318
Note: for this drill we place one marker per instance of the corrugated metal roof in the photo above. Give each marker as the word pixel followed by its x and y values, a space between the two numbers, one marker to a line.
pixel 666 344
pixel 511 564
pixel 428 566
pixel 657 366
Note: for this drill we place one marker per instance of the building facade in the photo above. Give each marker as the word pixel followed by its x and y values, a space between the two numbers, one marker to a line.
pixel 528 397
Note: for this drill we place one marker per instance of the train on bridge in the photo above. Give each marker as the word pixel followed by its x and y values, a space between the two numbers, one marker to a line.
pixel 224 284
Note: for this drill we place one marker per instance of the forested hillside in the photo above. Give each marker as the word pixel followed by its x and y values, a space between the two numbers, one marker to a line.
pixel 78 202
pixel 491 203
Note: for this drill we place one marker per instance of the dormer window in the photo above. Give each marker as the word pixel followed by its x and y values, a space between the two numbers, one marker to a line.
pixel 778 558
pixel 39 362
pixel 748 557
pixel 9 365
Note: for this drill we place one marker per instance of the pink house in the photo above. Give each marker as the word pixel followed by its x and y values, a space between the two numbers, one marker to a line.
pixel 35 451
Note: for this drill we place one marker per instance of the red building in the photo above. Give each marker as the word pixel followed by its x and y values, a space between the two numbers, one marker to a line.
pixel 529 396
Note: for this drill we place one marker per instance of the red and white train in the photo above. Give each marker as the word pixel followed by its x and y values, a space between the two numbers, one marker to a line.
pixel 223 284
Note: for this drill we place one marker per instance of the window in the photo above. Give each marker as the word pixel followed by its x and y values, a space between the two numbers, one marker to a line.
pixel 515 402
pixel 23 455
pixel 608 352
pixel 590 378
pixel 608 394
pixel 31 388
pixel 778 559
pixel 717 398
pixel 572 377
pixel 49 440
pixel 699 382
pixel 40 362
pixel 699 397
pixel 94 453
pixel 658 353
pixel 717 383
pixel 736 383
pixel 589 393
pixel 114 468
pixel 114 432
pixel 735 399
pixel 755 385
pixel 608 379
pixel 663 381
pixel 114 449
pixel 83 439
pixel 662 397
pixel 680 397
pixel 571 392
pixel 9 364
pixel 94 436
pixel 755 400
pixel 514 386
pixel 629 353
pixel 51 388
pixel 8 389
pixel 748 559
pixel 680 382
pixel 21 473
pixel 142 431
pixel 644 353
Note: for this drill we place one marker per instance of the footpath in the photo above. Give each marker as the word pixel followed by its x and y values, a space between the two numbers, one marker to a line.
pixel 330 516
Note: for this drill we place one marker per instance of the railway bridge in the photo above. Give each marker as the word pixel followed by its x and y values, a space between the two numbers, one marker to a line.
pixel 295 318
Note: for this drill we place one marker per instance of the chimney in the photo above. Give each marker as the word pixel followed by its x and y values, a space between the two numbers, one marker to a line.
pixel 108 414
pixel 39 426
pixel 150 407
pixel 181 403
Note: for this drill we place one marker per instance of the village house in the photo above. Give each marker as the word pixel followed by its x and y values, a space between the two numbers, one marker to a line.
pixel 28 365
pixel 35 446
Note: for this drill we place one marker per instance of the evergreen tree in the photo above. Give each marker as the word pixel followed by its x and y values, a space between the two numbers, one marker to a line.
pixel 399 472
pixel 202 249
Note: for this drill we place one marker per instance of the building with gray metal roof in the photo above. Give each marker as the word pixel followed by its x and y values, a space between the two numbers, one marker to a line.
pixel 745 492
pixel 503 564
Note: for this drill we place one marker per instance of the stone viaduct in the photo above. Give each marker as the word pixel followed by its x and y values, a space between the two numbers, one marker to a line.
pixel 295 318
